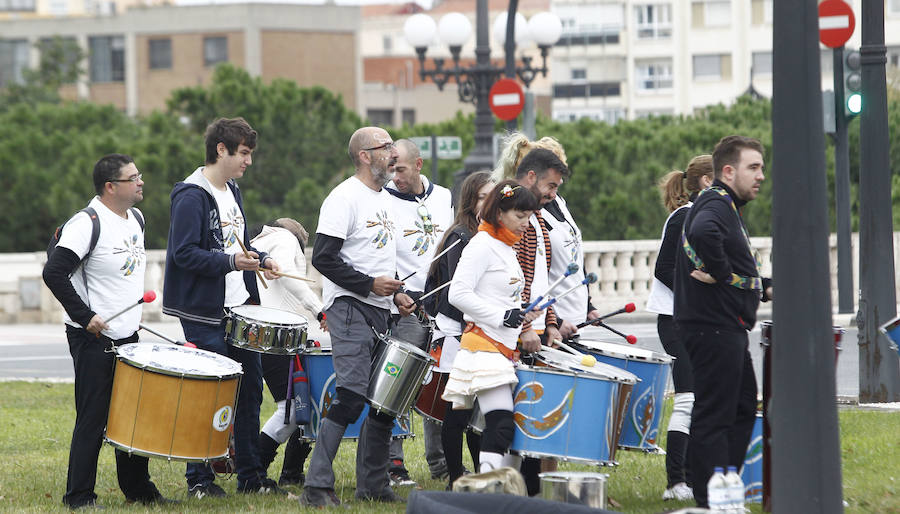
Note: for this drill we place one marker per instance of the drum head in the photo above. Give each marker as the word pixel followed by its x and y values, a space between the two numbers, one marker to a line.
pixel 177 360
pixel 565 361
pixel 270 315
pixel 625 352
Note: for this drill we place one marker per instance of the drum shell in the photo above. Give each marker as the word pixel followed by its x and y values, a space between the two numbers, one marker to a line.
pixel 430 405
pixel 643 414
pixel 581 488
pixel 398 369
pixel 244 329
pixel 572 409
pixel 183 417
pixel 319 368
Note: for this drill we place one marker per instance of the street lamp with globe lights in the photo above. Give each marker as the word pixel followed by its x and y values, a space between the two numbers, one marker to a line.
pixel 475 81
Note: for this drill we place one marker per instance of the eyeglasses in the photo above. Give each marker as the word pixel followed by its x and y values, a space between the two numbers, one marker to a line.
pixel 386 146
pixel 133 178
pixel 427 225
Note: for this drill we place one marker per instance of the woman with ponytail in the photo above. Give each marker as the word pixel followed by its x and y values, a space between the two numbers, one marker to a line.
pixel 677 189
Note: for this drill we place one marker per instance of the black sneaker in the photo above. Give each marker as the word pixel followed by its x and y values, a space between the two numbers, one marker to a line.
pixel 292 479
pixel 201 491
pixel 155 500
pixel 387 496
pixel 400 477
pixel 318 497
pixel 265 486
pixel 440 474
pixel 87 505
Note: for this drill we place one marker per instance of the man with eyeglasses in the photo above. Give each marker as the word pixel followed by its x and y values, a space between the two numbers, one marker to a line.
pixel 207 272
pixel 356 252
pixel 96 270
pixel 422 212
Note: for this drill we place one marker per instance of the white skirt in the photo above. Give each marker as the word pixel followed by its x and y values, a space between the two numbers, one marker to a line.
pixel 476 371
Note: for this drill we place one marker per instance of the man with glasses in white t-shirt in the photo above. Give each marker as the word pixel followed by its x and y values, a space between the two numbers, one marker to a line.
pixel 96 270
pixel 355 251
pixel 423 210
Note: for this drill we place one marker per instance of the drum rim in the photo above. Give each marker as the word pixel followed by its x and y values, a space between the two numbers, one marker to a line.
pixel 391 340
pixel 630 378
pixel 162 371
pixel 574 474
pixel 564 458
pixel 655 357
pixel 236 310
pixel 146 453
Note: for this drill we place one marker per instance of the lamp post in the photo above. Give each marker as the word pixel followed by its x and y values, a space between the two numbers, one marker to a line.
pixel 475 81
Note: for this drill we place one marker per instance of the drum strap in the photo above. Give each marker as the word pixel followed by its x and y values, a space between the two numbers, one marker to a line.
pixel 474 330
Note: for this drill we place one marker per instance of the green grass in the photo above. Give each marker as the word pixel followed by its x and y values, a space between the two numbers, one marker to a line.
pixel 37 421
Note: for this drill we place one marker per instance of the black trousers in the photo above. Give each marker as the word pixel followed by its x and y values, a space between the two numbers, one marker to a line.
pixel 94 367
pixel 724 401
pixel 673 343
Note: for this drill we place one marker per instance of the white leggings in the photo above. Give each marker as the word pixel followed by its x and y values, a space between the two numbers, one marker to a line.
pixel 496 398
pixel 275 427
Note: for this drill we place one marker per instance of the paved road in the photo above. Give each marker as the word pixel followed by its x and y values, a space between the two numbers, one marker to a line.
pixel 41 352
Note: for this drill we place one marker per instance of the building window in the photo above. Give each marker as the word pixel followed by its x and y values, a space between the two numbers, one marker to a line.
pixel 215 50
pixel 717 14
pixel 656 113
pixel 609 115
pixel 409 117
pixel 654 75
pixel 586 90
pixel 380 117
pixel 68 53
pixel 579 73
pixel 107 58
pixel 17 5
pixel 13 60
pixel 762 64
pixel 707 67
pixel 653 21
pixel 387 43
pixel 894 6
pixel 160 54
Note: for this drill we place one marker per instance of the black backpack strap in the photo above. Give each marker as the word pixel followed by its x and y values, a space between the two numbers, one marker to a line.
pixel 95 229
pixel 138 217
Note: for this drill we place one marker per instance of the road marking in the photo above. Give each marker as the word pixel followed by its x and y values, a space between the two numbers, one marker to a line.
pixel 35 358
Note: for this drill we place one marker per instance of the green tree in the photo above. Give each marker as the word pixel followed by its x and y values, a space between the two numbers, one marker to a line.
pixel 60 63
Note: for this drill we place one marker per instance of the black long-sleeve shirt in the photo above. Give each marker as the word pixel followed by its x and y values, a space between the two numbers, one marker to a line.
pixel 326 259
pixel 446 268
pixel 60 266
pixel 669 248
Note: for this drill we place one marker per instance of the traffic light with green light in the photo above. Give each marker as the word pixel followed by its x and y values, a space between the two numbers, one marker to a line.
pixel 853 100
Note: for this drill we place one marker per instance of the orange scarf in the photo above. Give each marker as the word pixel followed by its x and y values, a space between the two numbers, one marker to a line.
pixel 501 234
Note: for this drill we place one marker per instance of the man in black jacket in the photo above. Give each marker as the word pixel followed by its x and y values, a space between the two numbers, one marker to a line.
pixel 717 292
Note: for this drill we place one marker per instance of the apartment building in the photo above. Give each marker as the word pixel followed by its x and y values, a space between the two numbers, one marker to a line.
pixel 627 59
pixel 137 57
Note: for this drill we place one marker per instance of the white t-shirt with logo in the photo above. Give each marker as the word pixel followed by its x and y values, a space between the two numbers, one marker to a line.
pixel 232 221
pixel 114 270
pixel 417 239
pixel 566 245
pixel 363 219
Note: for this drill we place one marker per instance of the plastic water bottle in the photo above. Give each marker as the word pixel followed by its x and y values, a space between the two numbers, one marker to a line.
pixel 717 491
pixel 735 491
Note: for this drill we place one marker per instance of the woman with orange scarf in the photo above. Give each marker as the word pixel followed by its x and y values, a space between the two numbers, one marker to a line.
pixel 486 288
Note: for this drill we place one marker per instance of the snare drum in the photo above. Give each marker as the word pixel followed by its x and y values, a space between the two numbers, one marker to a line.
pixel 173 402
pixel 320 372
pixel 398 368
pixel 644 412
pixel 265 330
pixel 567 411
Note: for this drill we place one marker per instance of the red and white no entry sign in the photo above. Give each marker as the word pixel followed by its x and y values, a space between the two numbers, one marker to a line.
pixel 836 23
pixel 506 99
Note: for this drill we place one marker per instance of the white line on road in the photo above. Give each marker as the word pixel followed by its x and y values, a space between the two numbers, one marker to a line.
pixel 35 358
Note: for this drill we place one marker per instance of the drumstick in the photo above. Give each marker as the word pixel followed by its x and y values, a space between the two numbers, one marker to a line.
pixel 436 257
pixel 247 255
pixel 571 268
pixel 628 308
pixel 586 360
pixel 630 338
pixel 157 334
pixel 148 297
pixel 589 279
pixel 295 277
pixel 436 289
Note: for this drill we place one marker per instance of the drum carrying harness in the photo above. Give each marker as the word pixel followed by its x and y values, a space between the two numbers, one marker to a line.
pixel 738 281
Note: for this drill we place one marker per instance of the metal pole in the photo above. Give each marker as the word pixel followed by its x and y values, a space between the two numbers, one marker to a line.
pixel 434 160
pixel 480 157
pixel 806 469
pixel 510 47
pixel 842 189
pixel 879 376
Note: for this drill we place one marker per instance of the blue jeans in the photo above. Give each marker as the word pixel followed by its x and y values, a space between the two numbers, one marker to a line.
pixel 246 415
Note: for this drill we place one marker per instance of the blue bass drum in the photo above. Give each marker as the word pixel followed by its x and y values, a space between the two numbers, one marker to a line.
pixel 567 411
pixel 644 411
pixel 320 372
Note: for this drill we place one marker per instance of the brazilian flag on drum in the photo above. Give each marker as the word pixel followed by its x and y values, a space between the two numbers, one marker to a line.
pixel 392 369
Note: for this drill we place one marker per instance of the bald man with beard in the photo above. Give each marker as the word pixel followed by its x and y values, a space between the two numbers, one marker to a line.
pixel 355 251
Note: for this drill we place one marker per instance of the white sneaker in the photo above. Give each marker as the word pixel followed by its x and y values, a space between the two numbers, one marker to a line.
pixel 679 491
